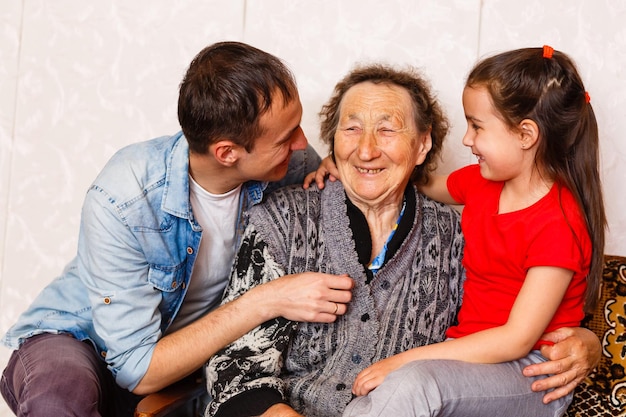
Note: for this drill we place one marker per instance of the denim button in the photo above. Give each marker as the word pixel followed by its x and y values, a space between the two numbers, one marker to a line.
pixel 189 250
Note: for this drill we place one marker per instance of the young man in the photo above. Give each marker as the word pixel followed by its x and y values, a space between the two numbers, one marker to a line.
pixel 137 308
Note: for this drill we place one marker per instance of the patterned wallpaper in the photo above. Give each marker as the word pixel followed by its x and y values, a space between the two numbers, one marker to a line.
pixel 81 79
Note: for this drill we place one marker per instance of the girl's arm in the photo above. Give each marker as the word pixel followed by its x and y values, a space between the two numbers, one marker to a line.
pixel 437 189
pixel 534 307
pixel 327 168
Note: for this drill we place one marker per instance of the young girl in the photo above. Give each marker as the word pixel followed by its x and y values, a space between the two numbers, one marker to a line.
pixel 533 221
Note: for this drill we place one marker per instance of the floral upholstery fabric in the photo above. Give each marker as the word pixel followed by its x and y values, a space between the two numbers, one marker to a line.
pixel 603 393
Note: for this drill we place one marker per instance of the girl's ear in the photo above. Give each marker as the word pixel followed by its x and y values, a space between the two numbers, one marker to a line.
pixel 529 133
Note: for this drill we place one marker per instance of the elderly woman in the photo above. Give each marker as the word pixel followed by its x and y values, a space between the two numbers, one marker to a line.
pixel 402 250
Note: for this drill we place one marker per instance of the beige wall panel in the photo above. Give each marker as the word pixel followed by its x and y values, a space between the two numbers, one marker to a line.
pixel 10 22
pixel 322 40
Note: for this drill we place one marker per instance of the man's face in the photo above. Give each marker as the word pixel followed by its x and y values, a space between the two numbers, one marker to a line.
pixel 269 158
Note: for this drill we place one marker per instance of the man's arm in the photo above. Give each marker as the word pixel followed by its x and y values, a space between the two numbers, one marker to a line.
pixel 300 298
pixel 305 297
pixel 130 322
pixel 575 353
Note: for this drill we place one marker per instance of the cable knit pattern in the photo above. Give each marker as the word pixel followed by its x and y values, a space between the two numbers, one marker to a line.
pixel 410 302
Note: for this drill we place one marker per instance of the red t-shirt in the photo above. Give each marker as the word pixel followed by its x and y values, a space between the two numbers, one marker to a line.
pixel 500 248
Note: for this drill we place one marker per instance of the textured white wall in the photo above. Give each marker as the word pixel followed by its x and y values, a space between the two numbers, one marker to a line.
pixel 81 79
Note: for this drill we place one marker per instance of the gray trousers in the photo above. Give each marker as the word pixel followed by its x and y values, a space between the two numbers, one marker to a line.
pixel 460 389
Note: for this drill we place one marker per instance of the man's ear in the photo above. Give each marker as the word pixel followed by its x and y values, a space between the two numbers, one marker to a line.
pixel 529 133
pixel 225 152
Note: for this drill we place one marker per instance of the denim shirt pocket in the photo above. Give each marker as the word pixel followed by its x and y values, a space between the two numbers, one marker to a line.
pixel 171 281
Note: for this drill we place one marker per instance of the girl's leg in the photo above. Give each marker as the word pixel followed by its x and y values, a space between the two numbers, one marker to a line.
pixel 454 388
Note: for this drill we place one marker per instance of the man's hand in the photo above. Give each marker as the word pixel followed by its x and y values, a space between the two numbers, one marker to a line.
pixel 576 351
pixel 309 297
pixel 280 410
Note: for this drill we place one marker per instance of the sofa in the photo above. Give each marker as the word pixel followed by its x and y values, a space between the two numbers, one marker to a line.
pixel 603 392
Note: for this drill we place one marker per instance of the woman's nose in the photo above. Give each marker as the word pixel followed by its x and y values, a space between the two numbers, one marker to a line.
pixel 368 147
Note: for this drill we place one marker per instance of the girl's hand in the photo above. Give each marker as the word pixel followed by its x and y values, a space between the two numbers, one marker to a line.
pixel 327 168
pixel 373 376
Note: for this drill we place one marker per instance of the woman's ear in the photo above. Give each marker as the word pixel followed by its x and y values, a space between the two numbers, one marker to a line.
pixel 424 147
pixel 529 133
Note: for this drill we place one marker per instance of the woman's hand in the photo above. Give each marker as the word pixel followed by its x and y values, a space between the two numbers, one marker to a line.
pixel 327 168
pixel 576 351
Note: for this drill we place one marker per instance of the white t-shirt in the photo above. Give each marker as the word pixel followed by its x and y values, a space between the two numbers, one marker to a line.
pixel 217 214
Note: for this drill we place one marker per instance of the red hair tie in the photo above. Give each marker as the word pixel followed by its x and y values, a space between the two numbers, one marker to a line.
pixel 587 98
pixel 547 51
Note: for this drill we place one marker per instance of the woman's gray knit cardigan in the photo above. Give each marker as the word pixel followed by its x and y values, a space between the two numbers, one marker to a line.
pixel 410 302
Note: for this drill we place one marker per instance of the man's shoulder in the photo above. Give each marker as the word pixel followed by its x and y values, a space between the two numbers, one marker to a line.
pixel 140 167
pixel 153 151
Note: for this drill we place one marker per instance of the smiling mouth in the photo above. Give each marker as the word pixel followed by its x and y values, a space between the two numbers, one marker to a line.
pixel 368 171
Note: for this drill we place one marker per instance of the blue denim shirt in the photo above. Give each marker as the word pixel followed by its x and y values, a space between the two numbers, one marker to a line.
pixel 136 249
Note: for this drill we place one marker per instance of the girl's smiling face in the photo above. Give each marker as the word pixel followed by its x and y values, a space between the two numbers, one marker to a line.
pixel 498 148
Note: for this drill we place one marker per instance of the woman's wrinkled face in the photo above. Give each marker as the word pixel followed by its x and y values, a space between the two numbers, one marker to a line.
pixel 377 144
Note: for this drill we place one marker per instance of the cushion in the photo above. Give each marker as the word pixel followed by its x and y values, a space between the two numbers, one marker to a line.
pixel 603 392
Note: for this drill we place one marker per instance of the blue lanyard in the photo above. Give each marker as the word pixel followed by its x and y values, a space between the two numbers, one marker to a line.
pixel 379 260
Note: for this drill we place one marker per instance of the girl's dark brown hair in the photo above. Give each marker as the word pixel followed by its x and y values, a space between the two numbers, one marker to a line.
pixel 523 84
pixel 427 112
